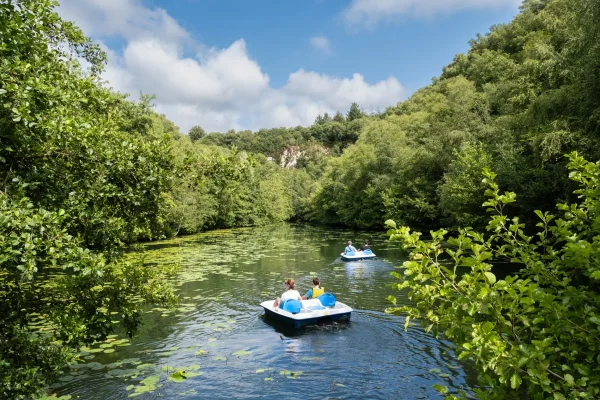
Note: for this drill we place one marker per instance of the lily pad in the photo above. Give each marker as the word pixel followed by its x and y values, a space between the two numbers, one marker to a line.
pixel 261 370
pixel 241 353
pixel 96 350
pixel 178 376
pixel 150 380
pixel 290 374
pixel 139 390
pixel 220 358
pixel 95 366
pixel 201 352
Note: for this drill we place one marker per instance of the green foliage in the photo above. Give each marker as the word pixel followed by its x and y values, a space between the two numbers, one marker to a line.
pixel 534 335
pixel 81 173
pixel 354 113
pixel 461 192
pixel 196 133
pixel 524 94
pixel 48 275
pixel 218 188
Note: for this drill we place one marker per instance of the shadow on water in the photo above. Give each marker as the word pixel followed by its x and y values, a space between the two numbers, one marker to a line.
pixel 219 333
pixel 290 332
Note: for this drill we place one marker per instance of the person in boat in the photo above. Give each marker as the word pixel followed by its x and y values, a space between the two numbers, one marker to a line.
pixel 290 294
pixel 349 248
pixel 316 291
pixel 365 246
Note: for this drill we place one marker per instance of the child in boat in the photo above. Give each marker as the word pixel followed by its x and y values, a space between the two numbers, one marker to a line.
pixel 365 246
pixel 316 291
pixel 290 293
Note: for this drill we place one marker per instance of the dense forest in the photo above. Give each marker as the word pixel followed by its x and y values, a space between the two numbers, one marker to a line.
pixel 84 171
pixel 524 95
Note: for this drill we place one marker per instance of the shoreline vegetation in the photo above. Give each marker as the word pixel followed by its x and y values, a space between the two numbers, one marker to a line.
pixel 84 172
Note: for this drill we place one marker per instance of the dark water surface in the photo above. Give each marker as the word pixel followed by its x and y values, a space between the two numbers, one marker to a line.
pixel 219 335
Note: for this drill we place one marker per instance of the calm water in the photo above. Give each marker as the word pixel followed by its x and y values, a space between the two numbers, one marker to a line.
pixel 220 337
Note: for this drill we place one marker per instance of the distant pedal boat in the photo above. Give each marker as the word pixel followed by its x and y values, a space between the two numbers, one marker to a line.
pixel 358 255
pixel 307 312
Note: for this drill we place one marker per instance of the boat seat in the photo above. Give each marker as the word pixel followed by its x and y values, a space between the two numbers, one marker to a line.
pixel 291 306
pixel 327 299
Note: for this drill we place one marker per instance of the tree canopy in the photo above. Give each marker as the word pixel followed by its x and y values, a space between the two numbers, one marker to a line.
pixel 84 172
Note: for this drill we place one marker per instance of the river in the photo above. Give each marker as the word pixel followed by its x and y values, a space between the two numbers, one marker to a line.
pixel 218 335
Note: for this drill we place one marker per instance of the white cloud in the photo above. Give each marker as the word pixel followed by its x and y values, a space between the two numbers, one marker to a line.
pixel 320 43
pixel 125 18
pixel 370 12
pixel 218 89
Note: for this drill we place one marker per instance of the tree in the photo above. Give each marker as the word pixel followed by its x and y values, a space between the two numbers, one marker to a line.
pixel 533 334
pixel 339 117
pixel 82 173
pixel 461 192
pixel 354 112
pixel 196 133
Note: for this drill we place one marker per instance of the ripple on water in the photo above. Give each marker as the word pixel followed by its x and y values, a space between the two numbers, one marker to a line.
pixel 220 328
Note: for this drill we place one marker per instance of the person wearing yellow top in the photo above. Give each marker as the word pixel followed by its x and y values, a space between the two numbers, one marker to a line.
pixel 315 291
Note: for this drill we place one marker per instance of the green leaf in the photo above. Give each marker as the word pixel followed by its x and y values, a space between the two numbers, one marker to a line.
pixel 440 388
pixel 150 380
pixel 178 376
pixel 491 278
pixel 569 379
pixel 515 381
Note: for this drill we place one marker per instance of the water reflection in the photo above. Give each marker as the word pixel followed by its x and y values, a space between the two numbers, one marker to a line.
pixel 221 327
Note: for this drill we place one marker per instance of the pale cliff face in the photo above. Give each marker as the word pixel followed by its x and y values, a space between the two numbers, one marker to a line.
pixel 290 156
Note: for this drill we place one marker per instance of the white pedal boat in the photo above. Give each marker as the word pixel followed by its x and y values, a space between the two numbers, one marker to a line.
pixel 358 255
pixel 311 313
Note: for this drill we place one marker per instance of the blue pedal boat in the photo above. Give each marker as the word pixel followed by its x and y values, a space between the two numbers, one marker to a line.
pixel 296 313
pixel 358 255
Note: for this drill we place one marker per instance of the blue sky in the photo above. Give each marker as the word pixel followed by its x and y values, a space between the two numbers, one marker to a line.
pixel 249 64
pixel 412 49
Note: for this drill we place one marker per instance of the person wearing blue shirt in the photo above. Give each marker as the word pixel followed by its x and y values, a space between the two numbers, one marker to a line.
pixel 349 248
